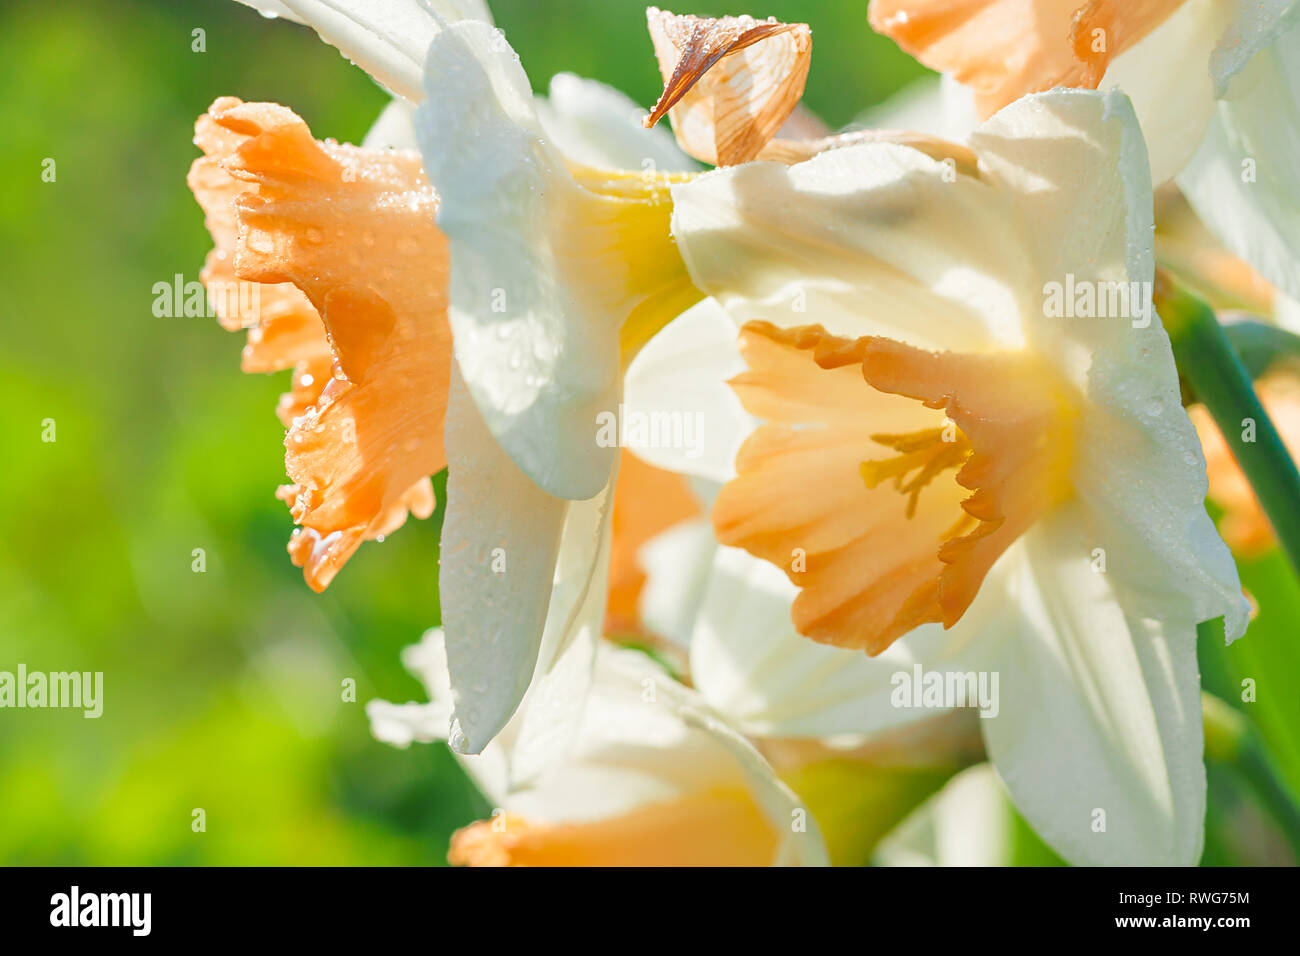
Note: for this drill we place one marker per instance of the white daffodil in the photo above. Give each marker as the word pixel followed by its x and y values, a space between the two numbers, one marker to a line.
pixel 1035 487
pixel 1214 84
pixel 655 778
pixel 559 271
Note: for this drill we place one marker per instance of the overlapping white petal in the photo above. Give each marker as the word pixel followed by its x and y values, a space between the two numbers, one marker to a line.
pixel 935 105
pixel 859 240
pixel 1242 181
pixel 684 371
pixel 644 739
pixel 1255 24
pixel 1075 167
pixel 748 661
pixel 394 128
pixel 1175 74
pixel 534 341
pixel 1167 76
pixel 1099 666
pixel 597 125
pixel 500 543
pixel 676 565
pixel 522 588
pixel 1098 737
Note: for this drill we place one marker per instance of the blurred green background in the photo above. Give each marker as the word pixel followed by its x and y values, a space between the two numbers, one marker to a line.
pixel 222 688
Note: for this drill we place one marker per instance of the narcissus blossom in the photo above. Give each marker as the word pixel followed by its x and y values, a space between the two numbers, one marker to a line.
pixel 1214 84
pixel 940 425
pixel 655 778
pixel 940 449
pixel 559 271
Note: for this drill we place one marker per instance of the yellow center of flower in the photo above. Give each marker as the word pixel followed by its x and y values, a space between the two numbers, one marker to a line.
pixel 624 247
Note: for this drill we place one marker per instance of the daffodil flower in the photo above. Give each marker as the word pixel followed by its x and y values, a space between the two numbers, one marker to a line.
pixel 1213 82
pixel 368 342
pixel 946 448
pixel 559 271
pixel 655 778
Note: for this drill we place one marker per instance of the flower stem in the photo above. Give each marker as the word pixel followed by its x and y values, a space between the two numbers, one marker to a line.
pixel 1217 378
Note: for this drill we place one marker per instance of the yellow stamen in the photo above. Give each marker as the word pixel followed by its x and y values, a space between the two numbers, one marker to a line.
pixel 928 452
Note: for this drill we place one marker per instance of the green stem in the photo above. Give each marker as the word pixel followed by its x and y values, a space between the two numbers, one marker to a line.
pixel 1217 378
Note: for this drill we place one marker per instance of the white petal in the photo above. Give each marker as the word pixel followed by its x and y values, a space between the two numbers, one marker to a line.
pixel 801 842
pixel 403 724
pixel 676 565
pixel 935 105
pixel 427 661
pixel 1255 24
pixel 394 129
pixel 863 240
pixel 597 125
pixel 748 661
pixel 683 371
pixel 645 738
pixel 1167 76
pixel 1099 709
pixel 1073 167
pixel 538 351
pixel 1242 180
pixel 496 518
pixel 1085 189
pixel 553 710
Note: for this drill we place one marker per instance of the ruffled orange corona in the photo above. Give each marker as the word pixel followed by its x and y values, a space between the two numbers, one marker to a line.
pixel 345 239
pixel 901 475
